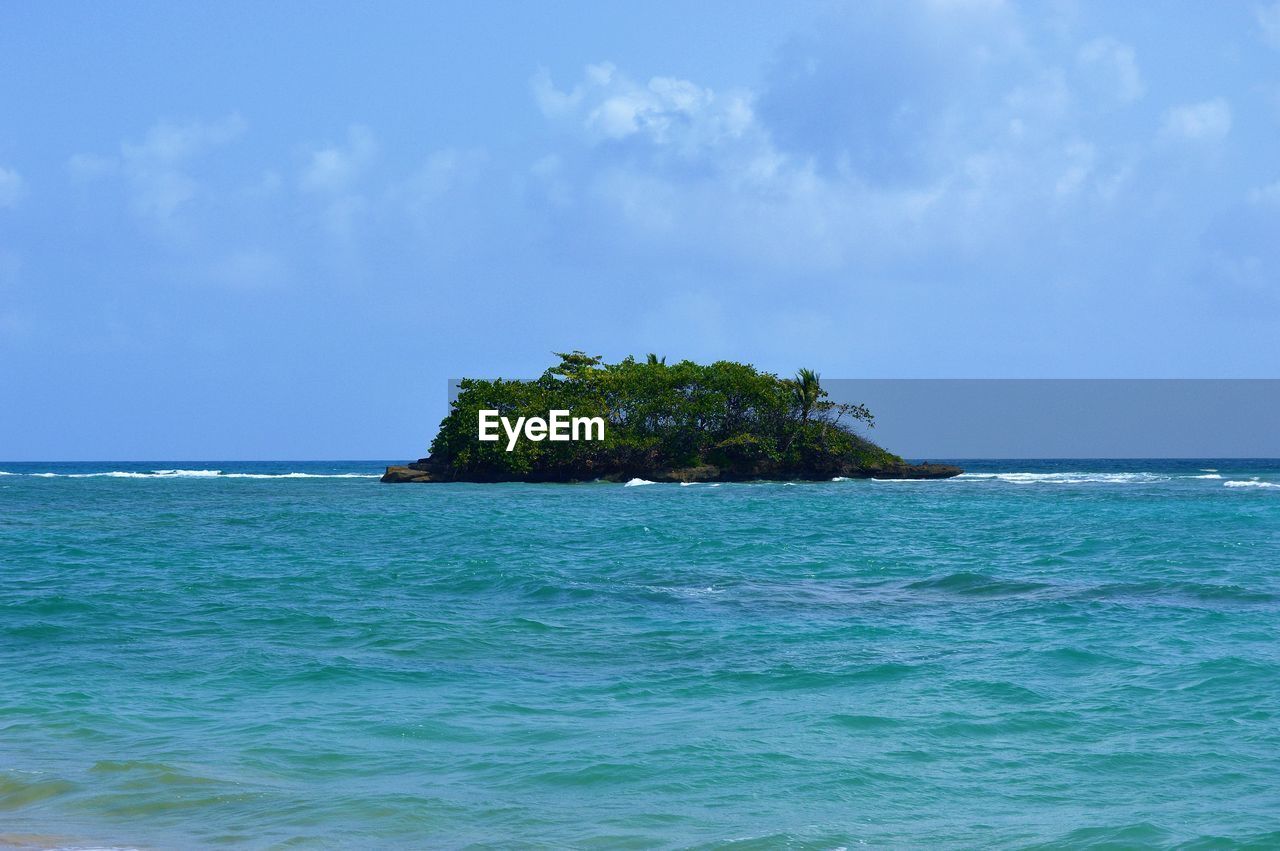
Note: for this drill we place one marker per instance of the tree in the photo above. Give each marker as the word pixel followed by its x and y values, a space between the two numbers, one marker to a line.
pixel 659 417
pixel 575 363
pixel 806 392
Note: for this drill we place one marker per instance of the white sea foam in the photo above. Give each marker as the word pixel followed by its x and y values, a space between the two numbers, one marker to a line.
pixel 133 474
pixel 114 474
pixel 1206 476
pixel 153 474
pixel 842 479
pixel 301 476
pixel 1072 478
pixel 1208 469
pixel 635 483
pixel 195 474
pixel 1251 483
pixel 684 592
pixel 689 484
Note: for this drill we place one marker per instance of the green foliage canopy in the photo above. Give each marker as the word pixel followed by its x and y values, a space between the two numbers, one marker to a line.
pixel 659 417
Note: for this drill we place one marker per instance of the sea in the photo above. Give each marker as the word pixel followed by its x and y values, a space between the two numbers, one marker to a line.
pixel 1037 654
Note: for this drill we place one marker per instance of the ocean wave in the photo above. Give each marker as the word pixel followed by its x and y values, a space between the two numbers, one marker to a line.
pixel 970 583
pixel 153 474
pixel 635 483
pixel 1251 483
pixel 193 474
pixel 1071 478
pixel 114 474
pixel 301 476
pixel 1206 476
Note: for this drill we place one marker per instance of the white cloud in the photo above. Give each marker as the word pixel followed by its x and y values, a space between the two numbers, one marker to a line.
pixel 551 100
pixel 1080 158
pixel 11 187
pixel 1268 18
pixel 336 172
pixel 1043 101
pixel 1113 64
pixel 441 173
pixel 171 143
pixel 336 168
pixel 157 165
pixel 1207 121
pixel 666 111
pixel 157 168
pixel 681 169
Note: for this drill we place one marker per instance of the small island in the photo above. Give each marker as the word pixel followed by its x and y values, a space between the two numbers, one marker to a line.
pixel 683 422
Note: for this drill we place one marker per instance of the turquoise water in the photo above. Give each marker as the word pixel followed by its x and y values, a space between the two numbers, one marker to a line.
pixel 1066 654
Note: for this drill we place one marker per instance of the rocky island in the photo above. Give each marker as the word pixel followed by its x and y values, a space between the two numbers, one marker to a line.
pixel 685 422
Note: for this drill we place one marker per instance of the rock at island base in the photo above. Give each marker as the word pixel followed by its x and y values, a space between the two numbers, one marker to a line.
pixel 402 474
pixel 425 471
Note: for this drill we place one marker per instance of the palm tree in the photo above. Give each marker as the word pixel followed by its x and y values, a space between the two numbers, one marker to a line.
pixel 654 360
pixel 806 390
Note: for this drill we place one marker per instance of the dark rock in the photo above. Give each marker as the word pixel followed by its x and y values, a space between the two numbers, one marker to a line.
pixel 908 471
pixel 427 470
pixel 399 475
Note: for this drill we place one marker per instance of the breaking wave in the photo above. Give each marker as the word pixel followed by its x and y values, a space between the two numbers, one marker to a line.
pixel 191 474
pixel 1072 478
pixel 301 476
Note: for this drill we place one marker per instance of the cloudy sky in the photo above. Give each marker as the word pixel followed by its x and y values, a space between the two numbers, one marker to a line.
pixel 276 230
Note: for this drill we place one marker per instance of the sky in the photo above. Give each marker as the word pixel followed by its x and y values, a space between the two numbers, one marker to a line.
pixel 959 418
pixel 274 231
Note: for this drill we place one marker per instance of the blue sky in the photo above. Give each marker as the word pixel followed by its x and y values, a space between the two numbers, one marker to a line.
pixel 276 230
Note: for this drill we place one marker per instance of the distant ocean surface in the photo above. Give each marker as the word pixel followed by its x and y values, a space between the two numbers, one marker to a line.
pixel 1049 654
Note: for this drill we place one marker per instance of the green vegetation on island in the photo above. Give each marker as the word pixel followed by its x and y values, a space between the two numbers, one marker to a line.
pixel 664 422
